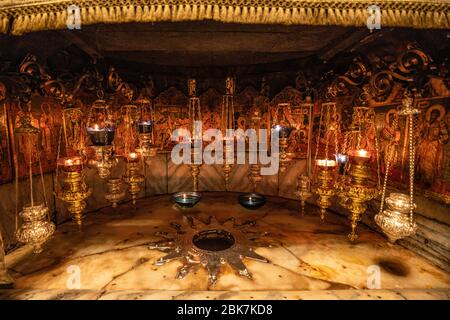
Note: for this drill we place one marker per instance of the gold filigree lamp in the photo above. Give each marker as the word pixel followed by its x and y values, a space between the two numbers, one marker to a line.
pixel 195 114
pixel 36 227
pixel 304 180
pixel 227 122
pixel 101 130
pixel 70 160
pixel 132 176
pixel 394 220
pixel 255 168
pixel 74 190
pixel 284 130
pixel 325 168
pixel 359 191
pixel 326 176
pixel 145 127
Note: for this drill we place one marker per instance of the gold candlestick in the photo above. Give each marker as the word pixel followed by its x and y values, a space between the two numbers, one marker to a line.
pixel 74 190
pixel 132 176
pixel 325 188
pixel 357 191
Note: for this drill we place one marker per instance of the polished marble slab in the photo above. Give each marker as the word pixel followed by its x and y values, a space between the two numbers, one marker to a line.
pixel 309 259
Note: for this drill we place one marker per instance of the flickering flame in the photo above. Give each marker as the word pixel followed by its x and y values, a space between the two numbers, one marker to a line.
pixel 132 155
pixel 362 153
pixel 96 127
pixel 326 163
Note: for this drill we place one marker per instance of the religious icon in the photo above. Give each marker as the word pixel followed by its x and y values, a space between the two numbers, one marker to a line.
pixel 430 150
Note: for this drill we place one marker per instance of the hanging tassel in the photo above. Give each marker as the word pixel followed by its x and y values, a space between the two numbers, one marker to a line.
pixel 145 14
pixel 158 12
pixel 202 15
pixel 167 13
pixel 138 14
pixel 194 12
pixel 4 24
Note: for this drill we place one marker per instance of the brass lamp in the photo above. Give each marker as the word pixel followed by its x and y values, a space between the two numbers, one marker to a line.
pixel 394 220
pixel 74 190
pixel 101 130
pixel 36 225
pixel 132 176
pixel 227 122
pixel 145 128
pixel 358 191
pixel 326 171
pixel 195 114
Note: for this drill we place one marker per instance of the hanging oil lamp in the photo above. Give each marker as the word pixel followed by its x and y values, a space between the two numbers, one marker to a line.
pixel 397 220
pixel 101 131
pixel 284 130
pixel 70 161
pixel 145 128
pixel 254 200
pixel 227 122
pixel 195 114
pixel 359 191
pixel 325 168
pixel 36 226
pixel 74 190
pixel 132 176
pixel 115 191
pixel 304 180
pixel 326 176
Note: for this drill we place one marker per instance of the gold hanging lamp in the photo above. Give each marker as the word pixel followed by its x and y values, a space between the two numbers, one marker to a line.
pixel 36 226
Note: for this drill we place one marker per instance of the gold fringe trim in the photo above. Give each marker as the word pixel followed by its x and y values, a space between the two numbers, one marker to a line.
pixel 4 21
pixel 48 15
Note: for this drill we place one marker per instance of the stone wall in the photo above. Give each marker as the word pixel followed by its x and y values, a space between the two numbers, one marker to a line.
pixel 162 176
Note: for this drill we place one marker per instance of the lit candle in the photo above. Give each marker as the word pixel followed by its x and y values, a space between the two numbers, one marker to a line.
pixel 326 163
pixel 68 162
pixel 132 156
pixel 362 153
pixel 71 163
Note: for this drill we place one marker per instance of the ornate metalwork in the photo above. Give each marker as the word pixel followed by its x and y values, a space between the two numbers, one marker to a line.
pixel 394 221
pixel 132 176
pixel 115 192
pixel 325 184
pixel 210 244
pixel 304 191
pixel 74 190
pixel 36 228
pixel 359 191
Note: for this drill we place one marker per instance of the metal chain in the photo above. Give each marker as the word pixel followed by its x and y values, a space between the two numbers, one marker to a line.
pixel 411 168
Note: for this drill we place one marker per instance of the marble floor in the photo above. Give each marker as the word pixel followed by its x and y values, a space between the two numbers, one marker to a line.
pixel 308 259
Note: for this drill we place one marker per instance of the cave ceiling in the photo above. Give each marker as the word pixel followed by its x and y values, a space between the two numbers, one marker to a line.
pixel 170 52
